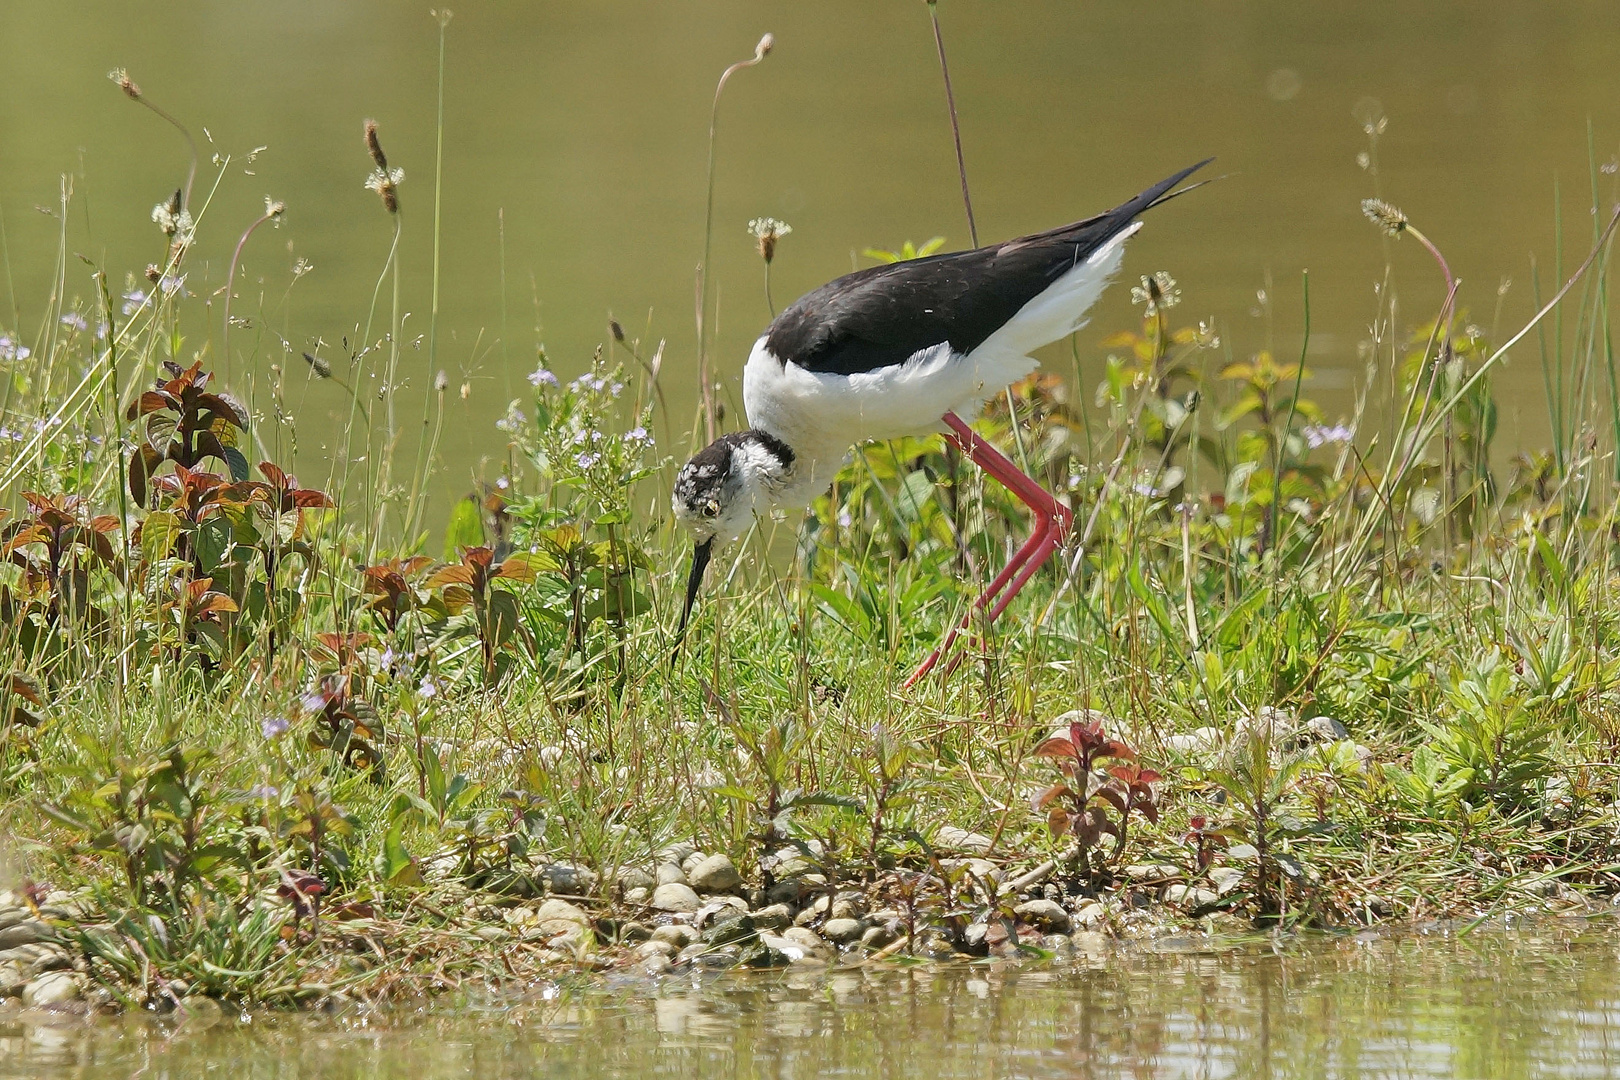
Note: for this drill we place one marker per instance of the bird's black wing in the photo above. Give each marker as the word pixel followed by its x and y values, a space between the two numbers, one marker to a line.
pixel 884 315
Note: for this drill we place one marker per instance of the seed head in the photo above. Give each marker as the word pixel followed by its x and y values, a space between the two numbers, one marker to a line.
pixel 1158 292
pixel 441 382
pixel 321 368
pixel 125 83
pixel 763 49
pixel 274 208
pixel 766 231
pixel 616 330
pixel 1386 217
pixel 373 147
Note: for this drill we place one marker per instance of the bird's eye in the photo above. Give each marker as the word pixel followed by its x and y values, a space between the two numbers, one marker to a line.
pixel 711 508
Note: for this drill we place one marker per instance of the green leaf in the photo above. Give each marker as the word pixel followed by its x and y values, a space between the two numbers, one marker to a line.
pixel 465 530
pixel 159 533
pixel 398 866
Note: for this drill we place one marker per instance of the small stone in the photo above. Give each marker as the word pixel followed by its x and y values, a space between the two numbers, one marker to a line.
pixel 199 1011
pixel 1043 915
pixel 1201 741
pixel 675 897
pixel 656 964
pixel 671 874
pixel 785 892
pixel 983 869
pixel 691 862
pixel 719 909
pixel 568 878
pixel 786 949
pixel 877 937
pixel 1090 942
pixel 51 988
pixel 676 935
pixel 676 853
pixel 635 878
pixel 12 980
pixel 843 931
pixel 951 838
pixel 634 931
pixel 1191 897
pixel 844 907
pixel 812 911
pixel 559 916
pixel 1226 878
pixel 636 896
pixel 492 933
pixel 1090 916
pixel 1153 872
pixel 1326 728
pixel 808 940
pixel 714 874
pixel 655 948
pixel 774 917
pixel 26 932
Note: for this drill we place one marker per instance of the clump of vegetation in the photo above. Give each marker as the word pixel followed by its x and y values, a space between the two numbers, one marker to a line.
pixel 256 742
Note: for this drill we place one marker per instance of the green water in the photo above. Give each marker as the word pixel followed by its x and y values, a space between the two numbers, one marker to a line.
pixel 574 158
pixel 1496 1003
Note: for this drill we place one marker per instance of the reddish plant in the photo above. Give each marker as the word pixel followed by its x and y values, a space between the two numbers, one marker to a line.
pixel 1078 804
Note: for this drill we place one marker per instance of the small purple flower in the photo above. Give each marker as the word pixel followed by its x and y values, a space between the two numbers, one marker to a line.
pixel 586 460
pixel 388 657
pixel 274 726
pixel 265 791
pixel 133 301
pixel 172 284
pixel 11 350
pixel 1318 435
pixel 314 701
pixel 638 434
pixel 541 377
pixel 75 321
pixel 428 689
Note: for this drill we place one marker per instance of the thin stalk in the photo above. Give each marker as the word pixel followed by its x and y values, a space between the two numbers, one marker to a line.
pixel 272 212
pixel 761 51
pixel 1282 442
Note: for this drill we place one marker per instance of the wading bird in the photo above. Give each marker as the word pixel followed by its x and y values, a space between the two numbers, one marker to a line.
pixel 910 348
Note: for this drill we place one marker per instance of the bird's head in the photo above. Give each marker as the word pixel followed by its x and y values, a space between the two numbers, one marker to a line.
pixel 719 491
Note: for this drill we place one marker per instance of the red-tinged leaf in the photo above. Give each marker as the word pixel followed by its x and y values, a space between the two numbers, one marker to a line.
pixel 1057 746
pixel 1058 820
pixel 1148 776
pixel 151 401
pixel 213 602
pixel 1113 798
pixel 196 588
pixel 415 564
pixel 1149 811
pixel 519 567
pixel 310 499
pixel 273 473
pixel 24 687
pixel 449 575
pixel 1115 749
pixel 479 557
pixel 1041 800
pixel 104 523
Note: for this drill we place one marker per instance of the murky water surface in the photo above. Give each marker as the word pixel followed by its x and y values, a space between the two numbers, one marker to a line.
pixel 574 166
pixel 1542 1002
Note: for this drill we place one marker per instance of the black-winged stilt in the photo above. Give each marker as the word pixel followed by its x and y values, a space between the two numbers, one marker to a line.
pixel 909 348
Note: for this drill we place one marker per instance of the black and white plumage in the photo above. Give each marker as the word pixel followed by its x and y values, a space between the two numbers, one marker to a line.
pixel 895 350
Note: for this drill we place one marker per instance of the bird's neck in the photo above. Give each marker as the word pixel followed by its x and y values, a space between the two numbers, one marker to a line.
pixel 781 476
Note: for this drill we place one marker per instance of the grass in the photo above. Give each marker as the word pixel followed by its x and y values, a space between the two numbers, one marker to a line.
pixel 258 742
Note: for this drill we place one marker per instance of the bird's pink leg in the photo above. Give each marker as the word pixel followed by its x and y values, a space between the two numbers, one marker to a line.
pixel 1052 520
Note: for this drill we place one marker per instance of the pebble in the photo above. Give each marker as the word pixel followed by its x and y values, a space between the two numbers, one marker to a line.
pixel 843 931
pixel 845 907
pixel 1325 727
pixel 492 933
pixel 1044 915
pixel 808 940
pixel 877 937
pixel 198 1011
pixel 1090 916
pixel 1202 740
pixel 635 878
pixel 676 853
pixel 559 916
pixel 636 896
pixel 676 935
pixel 671 874
pixel 812 911
pixel 714 875
pixel 675 897
pixel 1090 942
pixel 951 838
pixel 1153 872
pixel 1190 897
pixel 657 964
pixel 1226 878
pixel 691 862
pixel 655 948
pixel 568 878
pixel 774 917
pixel 51 988
pixel 25 932
pixel 785 892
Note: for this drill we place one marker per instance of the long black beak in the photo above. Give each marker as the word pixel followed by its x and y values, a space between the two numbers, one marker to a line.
pixel 694 581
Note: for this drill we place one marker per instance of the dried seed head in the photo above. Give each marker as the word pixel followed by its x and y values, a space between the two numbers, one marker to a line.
pixel 466 391
pixel 373 147
pixel 763 49
pixel 274 208
pixel 1386 217
pixel 321 368
pixel 766 231
pixel 441 382
pixel 616 330
pixel 154 272
pixel 125 83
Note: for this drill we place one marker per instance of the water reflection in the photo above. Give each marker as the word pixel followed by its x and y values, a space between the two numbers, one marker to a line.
pixel 1498 1003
